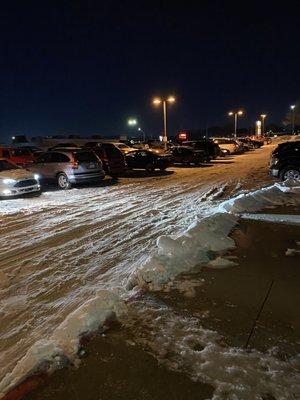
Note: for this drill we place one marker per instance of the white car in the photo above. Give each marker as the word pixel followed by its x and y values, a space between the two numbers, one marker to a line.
pixel 228 144
pixel 15 181
pixel 124 147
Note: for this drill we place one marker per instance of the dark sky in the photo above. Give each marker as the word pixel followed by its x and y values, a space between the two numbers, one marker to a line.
pixel 86 66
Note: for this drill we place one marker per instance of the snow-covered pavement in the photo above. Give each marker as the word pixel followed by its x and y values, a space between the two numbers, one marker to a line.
pixel 58 250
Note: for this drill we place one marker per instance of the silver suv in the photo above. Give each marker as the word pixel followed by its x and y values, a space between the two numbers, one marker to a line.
pixel 69 166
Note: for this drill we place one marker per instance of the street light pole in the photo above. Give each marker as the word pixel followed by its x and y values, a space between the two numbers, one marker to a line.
pixel 236 114
pixel 235 124
pixel 157 101
pixel 293 118
pixel 263 116
pixel 165 137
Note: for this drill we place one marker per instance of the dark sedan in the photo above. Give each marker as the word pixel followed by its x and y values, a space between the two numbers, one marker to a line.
pixel 144 159
pixel 186 155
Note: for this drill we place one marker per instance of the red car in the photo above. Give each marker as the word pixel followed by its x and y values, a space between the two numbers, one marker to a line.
pixel 18 155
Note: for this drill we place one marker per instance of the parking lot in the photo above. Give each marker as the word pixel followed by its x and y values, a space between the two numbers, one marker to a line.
pixel 77 241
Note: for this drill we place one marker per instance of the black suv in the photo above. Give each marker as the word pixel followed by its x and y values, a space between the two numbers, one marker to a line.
pixel 285 161
pixel 211 149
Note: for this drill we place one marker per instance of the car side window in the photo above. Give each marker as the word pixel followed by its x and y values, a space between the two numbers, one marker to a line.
pixel 45 158
pixel 59 158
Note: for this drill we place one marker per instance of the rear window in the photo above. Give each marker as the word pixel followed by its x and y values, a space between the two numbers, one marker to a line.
pixel 111 150
pixel 86 156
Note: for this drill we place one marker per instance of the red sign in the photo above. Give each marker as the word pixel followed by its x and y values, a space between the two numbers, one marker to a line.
pixel 182 136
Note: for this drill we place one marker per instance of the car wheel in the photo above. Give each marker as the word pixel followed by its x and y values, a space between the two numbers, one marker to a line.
pixel 290 173
pixel 63 181
pixel 149 168
pixel 37 194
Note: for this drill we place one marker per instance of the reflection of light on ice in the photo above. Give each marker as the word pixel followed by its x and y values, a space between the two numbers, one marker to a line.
pixel 276 218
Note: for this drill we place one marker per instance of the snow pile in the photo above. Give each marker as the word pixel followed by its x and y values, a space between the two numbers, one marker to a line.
pixel 195 247
pixel 65 340
pixel 204 241
pixel 279 194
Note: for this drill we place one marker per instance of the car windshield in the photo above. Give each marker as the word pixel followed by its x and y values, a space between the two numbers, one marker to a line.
pixel 6 166
pixel 86 156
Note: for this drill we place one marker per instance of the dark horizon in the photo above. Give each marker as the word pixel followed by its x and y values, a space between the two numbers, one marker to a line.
pixel 77 68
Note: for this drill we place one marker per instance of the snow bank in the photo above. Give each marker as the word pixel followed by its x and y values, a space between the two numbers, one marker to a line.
pixel 205 240
pixel 65 340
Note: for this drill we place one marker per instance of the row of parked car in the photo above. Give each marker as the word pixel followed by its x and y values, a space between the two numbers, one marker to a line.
pixel 24 169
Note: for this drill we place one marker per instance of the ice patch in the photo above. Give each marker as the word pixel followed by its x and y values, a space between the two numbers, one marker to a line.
pixel 220 263
pixel 275 218
pixel 292 252
pixel 182 344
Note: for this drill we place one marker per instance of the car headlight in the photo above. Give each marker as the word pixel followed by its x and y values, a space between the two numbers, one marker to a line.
pixel 8 181
pixel 36 177
pixel 274 161
pixel 6 192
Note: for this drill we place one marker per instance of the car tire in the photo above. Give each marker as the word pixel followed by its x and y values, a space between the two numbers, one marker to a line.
pixel 149 168
pixel 37 194
pixel 63 181
pixel 291 172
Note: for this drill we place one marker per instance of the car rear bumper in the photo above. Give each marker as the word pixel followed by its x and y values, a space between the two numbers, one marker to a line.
pixel 87 177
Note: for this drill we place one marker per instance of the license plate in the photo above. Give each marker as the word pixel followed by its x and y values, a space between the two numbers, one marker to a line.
pixel 26 190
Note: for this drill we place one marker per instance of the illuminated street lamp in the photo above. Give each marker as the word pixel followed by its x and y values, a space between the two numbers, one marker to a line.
pixel 263 117
pixel 236 114
pixel 292 107
pixel 157 101
pixel 132 122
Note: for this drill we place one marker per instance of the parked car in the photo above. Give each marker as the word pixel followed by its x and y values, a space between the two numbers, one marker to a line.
pixel 211 149
pixel 36 151
pixel 124 147
pixel 187 155
pixel 257 141
pixel 285 161
pixel 69 166
pixel 16 181
pixel 17 155
pixel 247 143
pixel 62 146
pixel 145 159
pixel 229 144
pixel 112 158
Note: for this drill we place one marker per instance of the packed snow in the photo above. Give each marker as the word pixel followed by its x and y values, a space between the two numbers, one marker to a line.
pixel 69 259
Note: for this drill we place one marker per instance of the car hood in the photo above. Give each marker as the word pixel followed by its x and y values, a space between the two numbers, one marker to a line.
pixel 19 173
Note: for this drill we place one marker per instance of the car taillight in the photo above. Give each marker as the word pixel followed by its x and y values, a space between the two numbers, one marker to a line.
pixel 74 165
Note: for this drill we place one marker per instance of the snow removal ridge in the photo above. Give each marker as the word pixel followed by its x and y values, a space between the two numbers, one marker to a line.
pixel 65 341
pixel 206 240
pixel 203 242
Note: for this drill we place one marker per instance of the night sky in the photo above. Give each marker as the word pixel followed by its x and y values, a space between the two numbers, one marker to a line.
pixel 84 67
